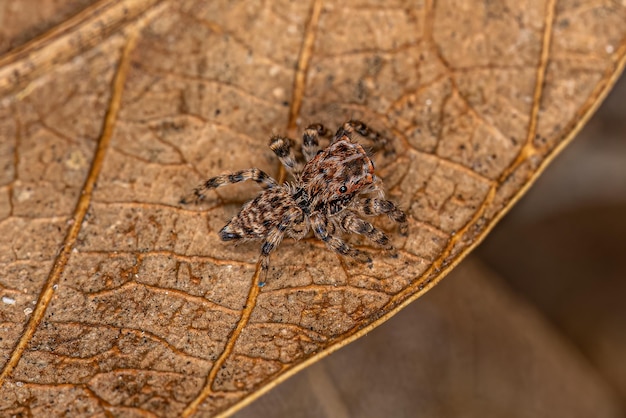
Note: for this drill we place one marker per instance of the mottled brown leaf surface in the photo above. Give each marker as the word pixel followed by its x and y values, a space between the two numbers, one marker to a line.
pixel 21 21
pixel 117 300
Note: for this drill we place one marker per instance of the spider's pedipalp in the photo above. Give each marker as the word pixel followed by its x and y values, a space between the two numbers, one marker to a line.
pixel 259 176
pixel 281 146
pixel 351 223
pixel 310 140
pixel 374 207
pixel 324 231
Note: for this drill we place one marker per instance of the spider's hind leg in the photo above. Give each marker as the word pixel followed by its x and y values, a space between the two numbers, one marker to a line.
pixel 351 127
pixel 273 238
pixel 269 244
pixel 310 140
pixel 259 176
pixel 282 148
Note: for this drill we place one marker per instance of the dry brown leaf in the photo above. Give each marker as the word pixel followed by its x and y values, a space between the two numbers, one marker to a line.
pixel 115 300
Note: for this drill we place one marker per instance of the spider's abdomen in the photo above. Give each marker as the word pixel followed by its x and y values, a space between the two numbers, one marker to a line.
pixel 259 215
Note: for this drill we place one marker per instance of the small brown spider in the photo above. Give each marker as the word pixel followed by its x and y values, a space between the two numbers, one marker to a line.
pixel 330 191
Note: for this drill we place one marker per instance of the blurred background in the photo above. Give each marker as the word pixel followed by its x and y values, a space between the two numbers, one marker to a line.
pixel 531 324
pixel 563 246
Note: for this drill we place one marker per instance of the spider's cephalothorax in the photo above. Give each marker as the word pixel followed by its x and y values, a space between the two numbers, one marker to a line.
pixel 329 194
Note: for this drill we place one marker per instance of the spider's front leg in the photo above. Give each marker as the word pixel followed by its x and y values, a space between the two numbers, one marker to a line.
pixel 262 178
pixel 374 207
pixel 324 231
pixel 352 223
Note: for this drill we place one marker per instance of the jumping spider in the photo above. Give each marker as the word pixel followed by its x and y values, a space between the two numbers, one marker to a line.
pixel 329 192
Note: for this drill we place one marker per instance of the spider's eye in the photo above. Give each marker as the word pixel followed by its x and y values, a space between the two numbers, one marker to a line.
pixel 343 189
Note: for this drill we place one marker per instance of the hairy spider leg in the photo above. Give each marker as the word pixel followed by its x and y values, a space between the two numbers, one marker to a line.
pixel 349 128
pixel 310 140
pixel 352 223
pixel 324 231
pixel 282 148
pixel 374 207
pixel 262 178
pixel 273 239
